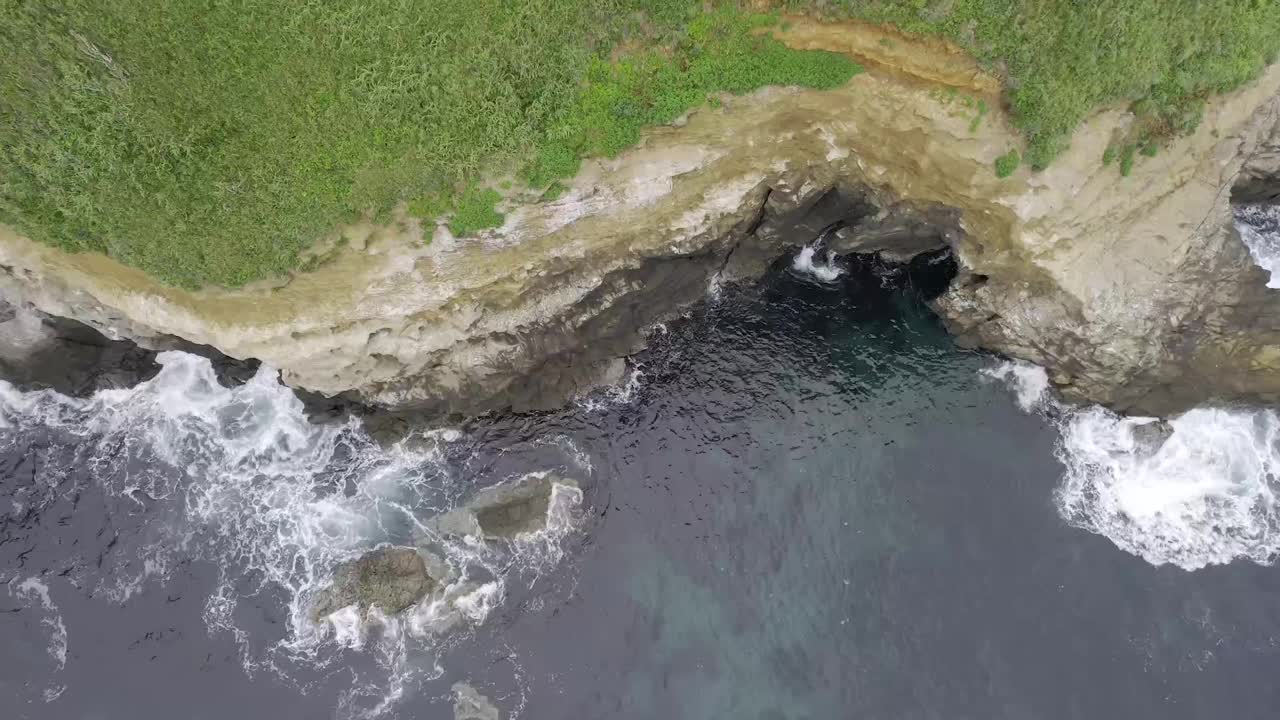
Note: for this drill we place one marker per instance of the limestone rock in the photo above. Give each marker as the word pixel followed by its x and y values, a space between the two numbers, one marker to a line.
pixel 1259 180
pixel 1148 438
pixel 469 704
pixel 504 511
pixel 391 579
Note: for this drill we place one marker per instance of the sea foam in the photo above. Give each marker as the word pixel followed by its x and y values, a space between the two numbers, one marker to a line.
pixel 242 478
pixel 1204 495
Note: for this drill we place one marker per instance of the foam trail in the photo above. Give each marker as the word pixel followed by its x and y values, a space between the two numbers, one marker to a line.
pixel 1259 227
pixel 1201 491
pixel 36 592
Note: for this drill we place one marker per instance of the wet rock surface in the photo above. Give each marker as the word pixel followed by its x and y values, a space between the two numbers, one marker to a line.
pixel 391 579
pixel 469 704
pixel 40 352
pixel 1148 438
pixel 504 511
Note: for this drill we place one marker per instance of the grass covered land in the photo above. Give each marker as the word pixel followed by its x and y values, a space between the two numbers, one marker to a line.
pixel 1062 59
pixel 211 141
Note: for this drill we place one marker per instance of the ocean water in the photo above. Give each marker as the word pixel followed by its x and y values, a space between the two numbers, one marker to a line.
pixel 804 502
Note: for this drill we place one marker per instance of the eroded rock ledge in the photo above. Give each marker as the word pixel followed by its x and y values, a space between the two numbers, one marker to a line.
pixel 1135 292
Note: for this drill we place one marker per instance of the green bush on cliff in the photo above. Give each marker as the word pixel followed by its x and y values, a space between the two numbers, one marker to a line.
pixel 210 141
pixel 1064 58
pixel 1007 164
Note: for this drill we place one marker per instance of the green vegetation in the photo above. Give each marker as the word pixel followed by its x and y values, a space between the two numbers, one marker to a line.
pixel 976 122
pixel 1126 159
pixel 1007 163
pixel 1064 58
pixel 474 211
pixel 211 141
pixel 653 86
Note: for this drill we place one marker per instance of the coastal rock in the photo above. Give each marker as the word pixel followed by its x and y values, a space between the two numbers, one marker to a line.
pixel 1259 180
pixel 38 352
pixel 505 511
pixel 469 704
pixel 1135 291
pixel 1149 437
pixel 391 579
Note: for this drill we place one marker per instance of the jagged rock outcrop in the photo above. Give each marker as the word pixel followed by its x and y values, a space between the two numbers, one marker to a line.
pixel 1259 180
pixel 1138 292
pixel 1134 291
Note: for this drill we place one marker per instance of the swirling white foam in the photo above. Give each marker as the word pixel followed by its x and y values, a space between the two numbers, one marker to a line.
pixel 825 270
pixel 1259 227
pixel 1203 495
pixel 36 594
pixel 241 478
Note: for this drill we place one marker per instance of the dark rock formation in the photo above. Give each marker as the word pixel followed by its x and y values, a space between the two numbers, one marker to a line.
pixel 1259 180
pixel 1148 438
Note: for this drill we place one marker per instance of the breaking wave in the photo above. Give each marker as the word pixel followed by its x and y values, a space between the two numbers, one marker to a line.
pixel 240 477
pixel 1198 490
pixel 1259 227
pixel 824 270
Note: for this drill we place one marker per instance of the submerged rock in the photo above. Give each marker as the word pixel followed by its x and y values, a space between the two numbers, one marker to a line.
pixel 1148 438
pixel 1134 291
pixel 505 511
pixel 469 704
pixel 391 579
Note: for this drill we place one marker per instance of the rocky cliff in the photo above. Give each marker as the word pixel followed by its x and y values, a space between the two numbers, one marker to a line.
pixel 1135 291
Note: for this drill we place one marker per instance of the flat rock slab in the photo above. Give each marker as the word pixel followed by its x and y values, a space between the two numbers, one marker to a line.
pixel 469 704
pixel 389 578
pixel 504 511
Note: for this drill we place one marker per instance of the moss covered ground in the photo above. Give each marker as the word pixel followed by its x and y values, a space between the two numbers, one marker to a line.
pixel 211 141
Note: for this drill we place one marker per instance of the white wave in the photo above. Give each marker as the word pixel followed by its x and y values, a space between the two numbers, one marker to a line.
pixel 1029 382
pixel 1200 493
pixel 1205 496
pixel 240 477
pixel 1259 227
pixel 825 270
pixel 715 287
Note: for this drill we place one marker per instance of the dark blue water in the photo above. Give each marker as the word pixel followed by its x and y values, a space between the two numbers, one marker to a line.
pixel 809 504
